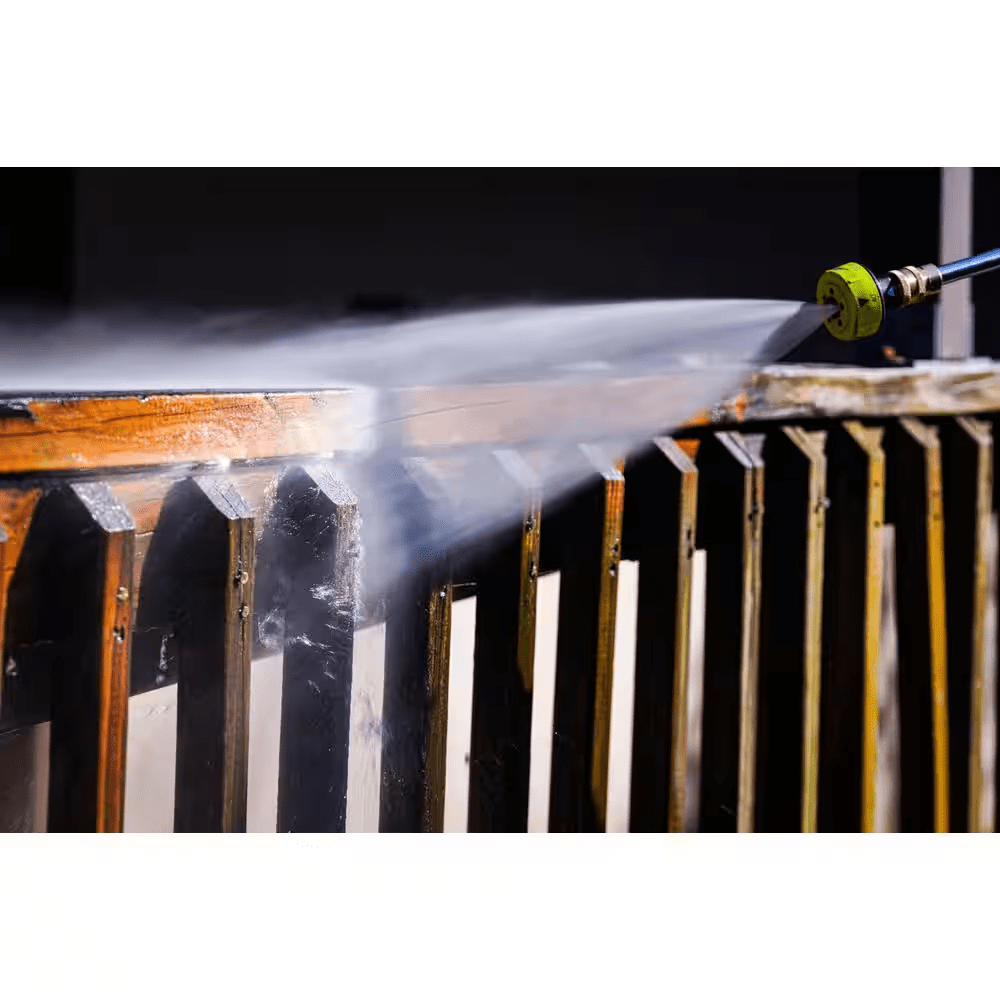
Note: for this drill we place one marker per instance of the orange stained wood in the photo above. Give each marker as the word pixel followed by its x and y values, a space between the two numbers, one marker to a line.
pixel 115 652
pixel 139 431
pixel 116 631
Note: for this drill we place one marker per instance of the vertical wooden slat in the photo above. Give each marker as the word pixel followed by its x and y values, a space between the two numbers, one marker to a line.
pixel 660 521
pixel 503 677
pixel 915 505
pixel 967 471
pixel 312 543
pixel 417 660
pixel 730 512
pixel 195 613
pixel 583 540
pixel 116 644
pixel 852 615
pixel 438 666
pixel 67 649
pixel 791 614
pixel 415 708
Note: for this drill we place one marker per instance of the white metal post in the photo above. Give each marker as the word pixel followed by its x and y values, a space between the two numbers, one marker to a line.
pixel 953 328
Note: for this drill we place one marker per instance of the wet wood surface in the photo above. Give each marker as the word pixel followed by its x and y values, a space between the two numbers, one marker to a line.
pixel 313 537
pixel 140 431
pixel 94 432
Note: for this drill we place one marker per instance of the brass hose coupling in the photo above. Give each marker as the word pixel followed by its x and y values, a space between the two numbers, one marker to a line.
pixel 915 284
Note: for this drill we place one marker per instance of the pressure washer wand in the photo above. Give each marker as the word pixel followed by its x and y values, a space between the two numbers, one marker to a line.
pixel 862 298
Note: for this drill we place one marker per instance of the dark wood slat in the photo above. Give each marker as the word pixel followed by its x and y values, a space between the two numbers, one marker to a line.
pixel 915 507
pixel 194 618
pixel 503 678
pixel 660 519
pixel 852 616
pixel 417 660
pixel 415 708
pixel 730 512
pixel 791 611
pixel 312 540
pixel 67 650
pixel 583 540
pixel 967 472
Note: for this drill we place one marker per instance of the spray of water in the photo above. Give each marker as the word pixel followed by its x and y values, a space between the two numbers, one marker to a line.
pixel 465 415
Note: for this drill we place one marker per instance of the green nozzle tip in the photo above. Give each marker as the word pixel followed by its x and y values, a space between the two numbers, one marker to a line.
pixel 853 290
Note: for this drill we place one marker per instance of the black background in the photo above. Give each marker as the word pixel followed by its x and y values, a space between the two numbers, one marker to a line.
pixel 384 240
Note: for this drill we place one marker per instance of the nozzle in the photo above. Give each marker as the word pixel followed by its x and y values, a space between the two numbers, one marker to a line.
pixel 862 298
pixel 855 291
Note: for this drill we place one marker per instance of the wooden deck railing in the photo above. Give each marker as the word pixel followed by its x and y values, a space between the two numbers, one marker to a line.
pixel 848 524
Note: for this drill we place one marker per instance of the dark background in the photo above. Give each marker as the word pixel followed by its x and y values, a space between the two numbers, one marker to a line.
pixel 379 241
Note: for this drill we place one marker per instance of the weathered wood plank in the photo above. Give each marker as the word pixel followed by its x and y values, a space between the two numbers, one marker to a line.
pixel 660 520
pixel 116 432
pixel 451 416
